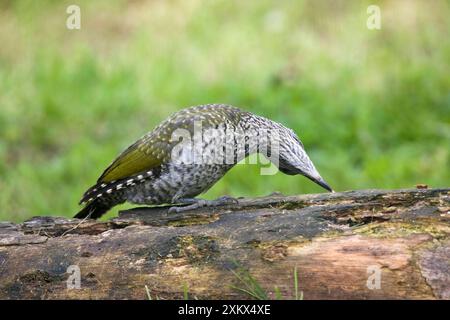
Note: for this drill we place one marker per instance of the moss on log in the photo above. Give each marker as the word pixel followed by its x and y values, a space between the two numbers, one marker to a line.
pixel 372 244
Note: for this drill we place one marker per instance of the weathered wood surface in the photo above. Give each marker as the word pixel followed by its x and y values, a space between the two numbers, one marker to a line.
pixel 335 241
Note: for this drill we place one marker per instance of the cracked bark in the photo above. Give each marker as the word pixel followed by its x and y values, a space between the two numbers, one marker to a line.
pixel 335 241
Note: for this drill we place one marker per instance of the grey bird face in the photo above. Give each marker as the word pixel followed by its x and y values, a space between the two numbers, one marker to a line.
pixel 293 159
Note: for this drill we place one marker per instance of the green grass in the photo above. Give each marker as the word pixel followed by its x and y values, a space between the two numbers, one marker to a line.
pixel 253 289
pixel 185 291
pixel 372 107
pixel 157 297
pixel 147 292
pixel 249 285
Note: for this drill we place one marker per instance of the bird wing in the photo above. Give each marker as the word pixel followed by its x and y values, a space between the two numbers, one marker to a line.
pixel 141 156
pixel 154 149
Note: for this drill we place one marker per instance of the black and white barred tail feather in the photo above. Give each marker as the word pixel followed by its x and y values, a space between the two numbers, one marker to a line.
pixel 94 209
pixel 103 196
pixel 100 190
pixel 106 189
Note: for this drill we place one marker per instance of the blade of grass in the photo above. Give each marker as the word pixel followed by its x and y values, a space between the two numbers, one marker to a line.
pixel 297 295
pixel 250 283
pixel 296 283
pixel 246 292
pixel 277 293
pixel 149 296
pixel 185 291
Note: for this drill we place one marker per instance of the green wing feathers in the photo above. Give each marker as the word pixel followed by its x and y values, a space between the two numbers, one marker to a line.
pixel 137 158
pixel 154 148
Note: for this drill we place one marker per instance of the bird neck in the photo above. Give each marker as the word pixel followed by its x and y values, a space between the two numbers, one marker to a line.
pixel 261 135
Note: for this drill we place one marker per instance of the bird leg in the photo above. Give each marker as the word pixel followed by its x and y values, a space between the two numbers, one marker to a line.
pixel 193 203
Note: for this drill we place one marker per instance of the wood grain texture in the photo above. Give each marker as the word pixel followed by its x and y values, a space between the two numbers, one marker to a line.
pixel 331 239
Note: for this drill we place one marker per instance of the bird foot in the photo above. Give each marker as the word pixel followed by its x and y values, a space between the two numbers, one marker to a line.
pixel 194 204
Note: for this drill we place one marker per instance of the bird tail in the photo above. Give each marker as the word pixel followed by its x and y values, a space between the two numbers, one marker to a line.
pixel 94 210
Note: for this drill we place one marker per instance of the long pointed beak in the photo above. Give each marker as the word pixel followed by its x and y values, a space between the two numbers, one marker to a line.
pixel 324 184
pixel 320 182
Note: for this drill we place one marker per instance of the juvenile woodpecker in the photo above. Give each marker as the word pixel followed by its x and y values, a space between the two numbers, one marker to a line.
pixel 188 153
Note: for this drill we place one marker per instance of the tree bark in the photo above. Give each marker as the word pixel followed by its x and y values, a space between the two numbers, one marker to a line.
pixel 370 244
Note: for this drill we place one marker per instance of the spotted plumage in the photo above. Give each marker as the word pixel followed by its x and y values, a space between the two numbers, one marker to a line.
pixel 188 153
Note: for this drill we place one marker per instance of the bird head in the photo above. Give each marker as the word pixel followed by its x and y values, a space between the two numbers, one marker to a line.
pixel 293 159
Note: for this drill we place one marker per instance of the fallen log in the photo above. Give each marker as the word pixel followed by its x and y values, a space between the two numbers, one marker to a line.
pixel 372 244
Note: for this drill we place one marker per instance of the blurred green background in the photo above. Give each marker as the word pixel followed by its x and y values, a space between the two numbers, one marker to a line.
pixel 371 106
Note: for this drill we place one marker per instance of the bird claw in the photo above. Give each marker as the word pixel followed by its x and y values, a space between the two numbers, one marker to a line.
pixel 200 203
pixel 174 210
pixel 226 200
